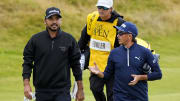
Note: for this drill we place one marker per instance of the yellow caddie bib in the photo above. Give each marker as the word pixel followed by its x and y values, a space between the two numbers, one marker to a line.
pixel 102 40
pixel 144 43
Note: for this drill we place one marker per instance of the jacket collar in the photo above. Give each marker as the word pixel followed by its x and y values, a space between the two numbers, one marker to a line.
pixel 132 47
pixel 58 35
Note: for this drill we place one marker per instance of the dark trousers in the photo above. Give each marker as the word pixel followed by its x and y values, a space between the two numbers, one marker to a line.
pixel 53 96
pixel 97 86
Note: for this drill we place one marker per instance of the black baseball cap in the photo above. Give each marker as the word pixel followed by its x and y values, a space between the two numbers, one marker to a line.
pixel 53 11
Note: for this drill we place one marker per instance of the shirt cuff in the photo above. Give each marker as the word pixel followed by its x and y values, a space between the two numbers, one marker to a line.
pixel 26 76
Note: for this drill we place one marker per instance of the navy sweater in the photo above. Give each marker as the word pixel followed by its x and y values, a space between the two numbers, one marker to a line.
pixel 122 63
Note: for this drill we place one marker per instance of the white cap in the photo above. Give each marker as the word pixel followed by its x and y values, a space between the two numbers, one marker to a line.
pixel 105 3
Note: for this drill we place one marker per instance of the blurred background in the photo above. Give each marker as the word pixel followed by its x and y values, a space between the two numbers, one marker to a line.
pixel 158 22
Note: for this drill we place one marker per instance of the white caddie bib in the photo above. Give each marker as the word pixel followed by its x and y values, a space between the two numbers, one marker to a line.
pixel 100 45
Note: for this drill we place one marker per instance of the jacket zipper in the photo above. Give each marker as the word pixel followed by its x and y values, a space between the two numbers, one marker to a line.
pixel 128 57
pixel 52 44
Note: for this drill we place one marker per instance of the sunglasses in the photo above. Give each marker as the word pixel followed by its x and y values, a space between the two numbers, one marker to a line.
pixel 102 7
pixel 122 33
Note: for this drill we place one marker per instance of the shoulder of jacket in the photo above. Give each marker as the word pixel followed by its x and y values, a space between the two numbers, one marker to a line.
pixel 68 35
pixel 117 49
pixel 39 34
pixel 120 21
pixel 142 48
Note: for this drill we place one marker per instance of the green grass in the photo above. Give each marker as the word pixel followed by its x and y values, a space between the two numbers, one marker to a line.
pixel 168 47
pixel 158 22
pixel 166 89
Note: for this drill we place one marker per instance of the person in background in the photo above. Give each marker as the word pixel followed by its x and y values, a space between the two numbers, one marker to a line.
pixel 100 36
pixel 51 54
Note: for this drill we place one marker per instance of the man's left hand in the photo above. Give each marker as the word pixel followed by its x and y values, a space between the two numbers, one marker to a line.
pixel 80 95
pixel 136 79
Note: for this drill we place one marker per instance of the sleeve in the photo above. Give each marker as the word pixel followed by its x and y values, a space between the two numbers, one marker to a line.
pixel 28 57
pixel 109 70
pixel 155 68
pixel 74 59
pixel 84 39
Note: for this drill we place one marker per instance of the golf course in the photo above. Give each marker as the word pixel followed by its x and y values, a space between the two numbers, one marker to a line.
pixel 158 23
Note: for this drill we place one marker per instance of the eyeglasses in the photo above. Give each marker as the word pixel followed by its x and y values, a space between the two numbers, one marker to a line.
pixel 122 33
pixel 102 7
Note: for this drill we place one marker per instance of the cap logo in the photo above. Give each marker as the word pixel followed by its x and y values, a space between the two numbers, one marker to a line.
pixel 53 11
pixel 123 25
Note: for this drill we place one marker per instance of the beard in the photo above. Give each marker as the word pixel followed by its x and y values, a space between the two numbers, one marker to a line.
pixel 53 30
pixel 51 27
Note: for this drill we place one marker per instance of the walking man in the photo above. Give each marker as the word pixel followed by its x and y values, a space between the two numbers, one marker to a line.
pixel 50 54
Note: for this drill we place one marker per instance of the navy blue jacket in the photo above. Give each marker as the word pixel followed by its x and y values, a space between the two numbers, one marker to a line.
pixel 122 63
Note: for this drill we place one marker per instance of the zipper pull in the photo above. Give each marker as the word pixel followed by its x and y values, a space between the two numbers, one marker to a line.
pixel 52 46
